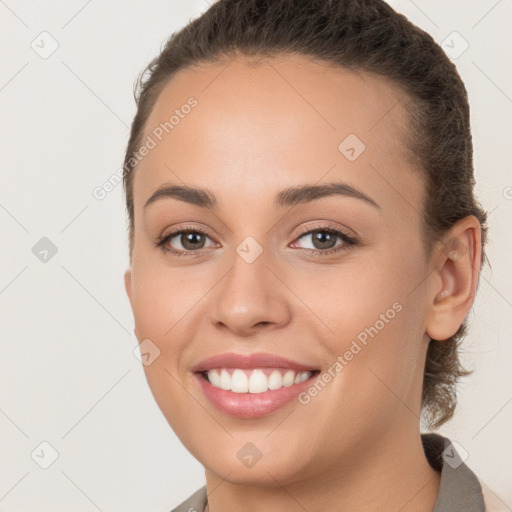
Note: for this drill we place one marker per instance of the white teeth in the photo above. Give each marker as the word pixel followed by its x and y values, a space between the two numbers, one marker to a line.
pixel 275 381
pixel 215 378
pixel 301 376
pixel 256 382
pixel 225 379
pixel 288 378
pixel 239 382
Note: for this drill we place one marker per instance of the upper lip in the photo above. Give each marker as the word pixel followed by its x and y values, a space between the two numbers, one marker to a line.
pixel 259 360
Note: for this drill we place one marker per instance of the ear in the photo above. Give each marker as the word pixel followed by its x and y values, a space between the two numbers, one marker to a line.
pixel 455 278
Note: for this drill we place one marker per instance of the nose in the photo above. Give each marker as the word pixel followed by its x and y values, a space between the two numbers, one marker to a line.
pixel 249 298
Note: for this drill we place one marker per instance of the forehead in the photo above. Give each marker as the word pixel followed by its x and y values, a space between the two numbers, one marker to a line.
pixel 257 126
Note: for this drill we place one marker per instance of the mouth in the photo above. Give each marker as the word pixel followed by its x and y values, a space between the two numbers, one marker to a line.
pixel 251 393
pixel 257 380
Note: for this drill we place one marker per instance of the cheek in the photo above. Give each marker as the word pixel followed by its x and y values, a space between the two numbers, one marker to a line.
pixel 348 298
pixel 162 299
pixel 375 329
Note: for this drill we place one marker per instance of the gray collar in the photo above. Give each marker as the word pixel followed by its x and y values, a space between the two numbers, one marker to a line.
pixel 459 489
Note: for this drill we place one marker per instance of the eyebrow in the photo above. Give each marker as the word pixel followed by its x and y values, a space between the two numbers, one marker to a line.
pixel 292 196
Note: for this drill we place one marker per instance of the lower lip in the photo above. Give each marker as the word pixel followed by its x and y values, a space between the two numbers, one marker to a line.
pixel 251 405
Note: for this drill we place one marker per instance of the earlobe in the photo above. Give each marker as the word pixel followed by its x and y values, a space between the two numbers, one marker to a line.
pixel 456 278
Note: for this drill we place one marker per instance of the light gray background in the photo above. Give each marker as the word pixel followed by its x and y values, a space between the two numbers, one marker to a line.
pixel 68 375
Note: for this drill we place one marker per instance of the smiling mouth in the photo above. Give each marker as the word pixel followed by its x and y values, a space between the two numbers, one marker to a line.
pixel 256 380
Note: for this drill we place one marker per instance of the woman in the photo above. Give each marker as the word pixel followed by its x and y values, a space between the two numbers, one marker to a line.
pixel 305 246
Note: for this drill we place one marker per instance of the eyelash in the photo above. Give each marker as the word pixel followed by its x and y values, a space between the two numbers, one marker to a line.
pixel 349 241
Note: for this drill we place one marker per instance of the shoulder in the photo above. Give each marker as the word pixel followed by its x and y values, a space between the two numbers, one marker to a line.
pixel 492 502
pixel 194 503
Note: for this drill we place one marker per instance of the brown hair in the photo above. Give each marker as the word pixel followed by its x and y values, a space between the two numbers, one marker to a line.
pixel 365 35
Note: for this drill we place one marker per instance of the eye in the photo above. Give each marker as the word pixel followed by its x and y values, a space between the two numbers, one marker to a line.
pixel 184 241
pixel 324 240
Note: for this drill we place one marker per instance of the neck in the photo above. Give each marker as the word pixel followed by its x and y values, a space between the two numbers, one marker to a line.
pixel 394 475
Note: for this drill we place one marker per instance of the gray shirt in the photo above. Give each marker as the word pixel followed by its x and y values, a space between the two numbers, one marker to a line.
pixel 460 489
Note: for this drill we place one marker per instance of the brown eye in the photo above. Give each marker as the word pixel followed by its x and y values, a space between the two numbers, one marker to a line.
pixel 184 242
pixel 325 240
pixel 192 240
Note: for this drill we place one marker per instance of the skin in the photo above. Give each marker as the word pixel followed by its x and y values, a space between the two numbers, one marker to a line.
pixel 259 128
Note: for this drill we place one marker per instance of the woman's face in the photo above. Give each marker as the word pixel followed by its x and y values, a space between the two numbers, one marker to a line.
pixel 264 270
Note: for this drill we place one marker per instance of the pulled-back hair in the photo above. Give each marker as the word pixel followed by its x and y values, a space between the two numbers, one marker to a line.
pixel 363 35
